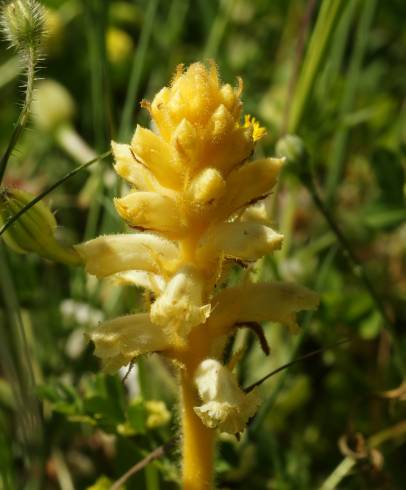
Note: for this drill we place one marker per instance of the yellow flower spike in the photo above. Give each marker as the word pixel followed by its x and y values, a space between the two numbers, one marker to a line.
pixel 226 407
pixel 201 201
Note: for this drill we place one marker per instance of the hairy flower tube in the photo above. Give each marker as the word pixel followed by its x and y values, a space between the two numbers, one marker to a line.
pixel 197 201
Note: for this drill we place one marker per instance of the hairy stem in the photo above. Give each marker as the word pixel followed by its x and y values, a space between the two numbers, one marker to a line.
pixel 23 117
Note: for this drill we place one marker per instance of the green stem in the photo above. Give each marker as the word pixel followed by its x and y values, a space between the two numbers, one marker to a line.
pixel 137 68
pixel 96 29
pixel 17 363
pixel 217 31
pixel 326 21
pixel 23 117
pixel 335 165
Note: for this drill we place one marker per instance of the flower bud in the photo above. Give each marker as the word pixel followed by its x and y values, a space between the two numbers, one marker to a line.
pixel 52 106
pixel 119 46
pixel 22 22
pixel 293 149
pixel 34 230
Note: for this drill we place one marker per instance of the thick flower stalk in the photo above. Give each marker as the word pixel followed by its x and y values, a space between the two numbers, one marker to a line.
pixel 197 201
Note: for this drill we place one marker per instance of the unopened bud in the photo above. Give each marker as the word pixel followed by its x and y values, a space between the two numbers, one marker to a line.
pixel 34 230
pixel 119 46
pixel 52 106
pixel 22 22
pixel 293 149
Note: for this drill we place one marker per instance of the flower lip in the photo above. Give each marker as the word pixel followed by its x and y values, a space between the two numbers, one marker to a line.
pixel 120 340
pixel 225 406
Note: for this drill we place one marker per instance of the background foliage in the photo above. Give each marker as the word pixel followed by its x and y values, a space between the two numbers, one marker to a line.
pixel 62 423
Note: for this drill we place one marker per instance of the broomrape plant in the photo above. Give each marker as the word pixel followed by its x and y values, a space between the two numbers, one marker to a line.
pixel 197 202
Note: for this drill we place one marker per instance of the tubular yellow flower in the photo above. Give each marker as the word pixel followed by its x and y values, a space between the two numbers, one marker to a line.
pixel 120 340
pixel 225 406
pixel 196 201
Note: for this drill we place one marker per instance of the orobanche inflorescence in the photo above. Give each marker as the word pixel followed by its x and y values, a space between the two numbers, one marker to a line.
pixel 197 201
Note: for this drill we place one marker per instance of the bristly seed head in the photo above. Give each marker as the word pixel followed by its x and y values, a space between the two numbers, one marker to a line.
pixel 22 23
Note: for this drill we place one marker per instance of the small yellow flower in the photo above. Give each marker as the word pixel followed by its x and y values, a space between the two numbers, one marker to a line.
pixel 226 407
pixel 158 414
pixel 258 131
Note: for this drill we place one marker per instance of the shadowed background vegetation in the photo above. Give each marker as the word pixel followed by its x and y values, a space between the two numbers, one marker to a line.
pixel 331 71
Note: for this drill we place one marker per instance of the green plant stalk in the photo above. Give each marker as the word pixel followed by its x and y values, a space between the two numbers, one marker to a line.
pixel 326 21
pixel 338 45
pixel 49 189
pixel 176 19
pixel 136 71
pixel 96 20
pixel 217 31
pixel 23 117
pixel 346 465
pixel 19 366
pixel 335 165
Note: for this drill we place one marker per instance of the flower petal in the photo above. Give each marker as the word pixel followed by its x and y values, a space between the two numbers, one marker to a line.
pixel 150 210
pixel 109 254
pixel 247 241
pixel 157 156
pixel 180 307
pixel 206 187
pixel 133 171
pixel 249 182
pixel 259 212
pixel 119 341
pixel 146 280
pixel 225 406
pixel 275 302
